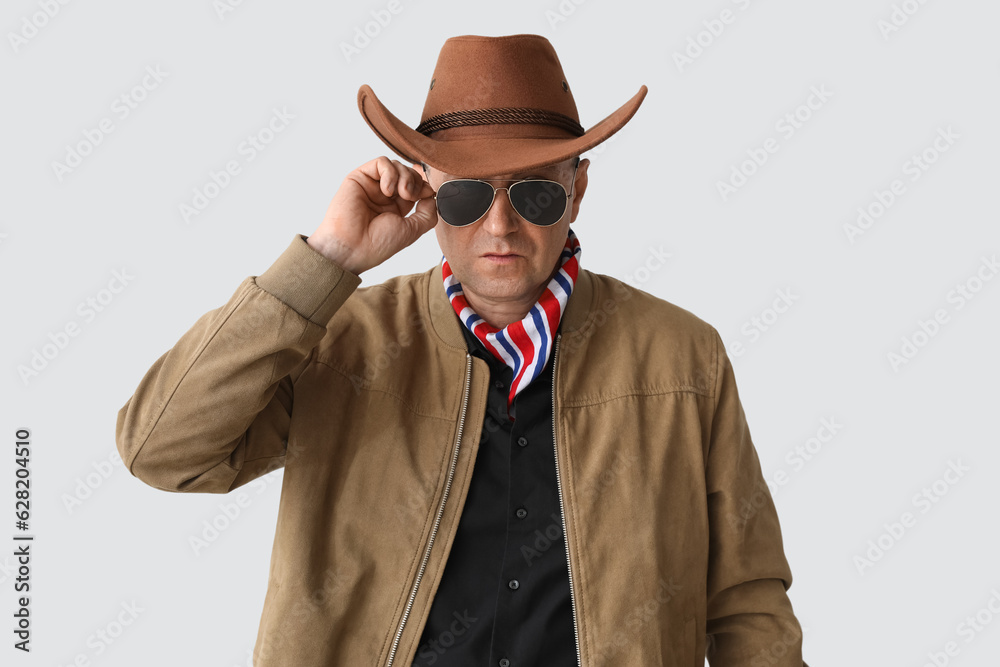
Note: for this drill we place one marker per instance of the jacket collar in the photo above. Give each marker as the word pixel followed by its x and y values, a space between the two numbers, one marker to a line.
pixel 446 325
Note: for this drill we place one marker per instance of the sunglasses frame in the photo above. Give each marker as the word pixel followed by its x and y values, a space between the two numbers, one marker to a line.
pixel 567 195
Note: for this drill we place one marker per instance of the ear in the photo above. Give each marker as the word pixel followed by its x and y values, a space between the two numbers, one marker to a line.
pixel 421 168
pixel 579 188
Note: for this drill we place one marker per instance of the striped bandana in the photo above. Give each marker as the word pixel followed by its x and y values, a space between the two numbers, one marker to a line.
pixel 525 345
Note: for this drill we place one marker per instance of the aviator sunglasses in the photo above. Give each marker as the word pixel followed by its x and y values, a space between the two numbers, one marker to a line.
pixel 464 201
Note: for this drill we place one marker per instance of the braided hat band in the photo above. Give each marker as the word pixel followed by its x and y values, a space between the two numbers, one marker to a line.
pixel 498 116
pixel 494 105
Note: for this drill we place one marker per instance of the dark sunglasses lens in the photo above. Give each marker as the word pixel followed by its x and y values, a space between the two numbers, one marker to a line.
pixel 461 203
pixel 539 202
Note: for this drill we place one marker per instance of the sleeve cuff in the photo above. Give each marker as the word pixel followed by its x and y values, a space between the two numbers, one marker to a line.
pixel 311 285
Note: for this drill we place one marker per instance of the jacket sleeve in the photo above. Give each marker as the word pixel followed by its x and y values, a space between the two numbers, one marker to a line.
pixel 213 412
pixel 749 620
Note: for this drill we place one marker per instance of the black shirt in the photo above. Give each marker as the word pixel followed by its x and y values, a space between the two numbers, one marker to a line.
pixel 504 598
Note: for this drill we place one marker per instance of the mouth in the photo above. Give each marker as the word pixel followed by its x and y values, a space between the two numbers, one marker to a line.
pixel 500 258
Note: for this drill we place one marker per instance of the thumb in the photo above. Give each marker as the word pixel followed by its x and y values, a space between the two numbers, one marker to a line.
pixel 423 218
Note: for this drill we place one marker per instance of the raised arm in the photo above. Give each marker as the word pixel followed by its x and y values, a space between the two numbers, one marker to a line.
pixel 213 413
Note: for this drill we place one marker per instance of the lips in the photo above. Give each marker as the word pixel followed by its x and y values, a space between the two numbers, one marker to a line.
pixel 496 258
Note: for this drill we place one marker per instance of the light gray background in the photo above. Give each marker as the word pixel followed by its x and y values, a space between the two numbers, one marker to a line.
pixel 653 186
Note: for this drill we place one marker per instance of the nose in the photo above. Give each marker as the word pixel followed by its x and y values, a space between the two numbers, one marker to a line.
pixel 501 218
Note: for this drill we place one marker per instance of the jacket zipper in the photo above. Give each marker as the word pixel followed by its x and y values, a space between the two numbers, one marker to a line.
pixel 440 512
pixel 562 506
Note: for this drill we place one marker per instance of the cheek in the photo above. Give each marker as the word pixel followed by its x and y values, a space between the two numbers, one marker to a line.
pixel 556 242
pixel 450 240
pixel 442 237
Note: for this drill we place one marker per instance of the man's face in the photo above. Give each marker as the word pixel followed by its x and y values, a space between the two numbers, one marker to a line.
pixel 502 257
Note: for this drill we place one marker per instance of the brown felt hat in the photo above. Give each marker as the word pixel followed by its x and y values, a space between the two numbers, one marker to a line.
pixel 495 105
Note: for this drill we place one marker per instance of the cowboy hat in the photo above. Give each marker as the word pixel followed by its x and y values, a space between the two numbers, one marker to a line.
pixel 495 105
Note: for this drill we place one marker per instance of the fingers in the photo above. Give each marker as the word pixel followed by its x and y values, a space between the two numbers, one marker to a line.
pixel 396 180
pixel 423 218
pixel 411 183
pixel 425 191
pixel 388 176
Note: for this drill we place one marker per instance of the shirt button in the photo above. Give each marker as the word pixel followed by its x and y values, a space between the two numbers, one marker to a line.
pixel 522 441
pixel 498 384
pixel 504 662
pixel 521 512
pixel 512 584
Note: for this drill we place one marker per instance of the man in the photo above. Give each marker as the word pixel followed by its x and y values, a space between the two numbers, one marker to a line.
pixel 504 460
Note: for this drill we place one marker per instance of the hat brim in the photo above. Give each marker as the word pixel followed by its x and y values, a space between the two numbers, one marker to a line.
pixel 484 157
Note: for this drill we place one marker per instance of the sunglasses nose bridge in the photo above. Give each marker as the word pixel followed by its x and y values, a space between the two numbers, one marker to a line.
pixel 505 216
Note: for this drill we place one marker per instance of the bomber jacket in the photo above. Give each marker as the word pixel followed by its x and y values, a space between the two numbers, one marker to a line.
pixel 365 397
pixel 506 581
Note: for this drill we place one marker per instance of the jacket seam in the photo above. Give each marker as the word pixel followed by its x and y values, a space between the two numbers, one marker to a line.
pixel 307 362
pixel 270 379
pixel 341 275
pixel 428 522
pixel 406 585
pixel 716 367
pixel 262 458
pixel 443 562
pixel 598 400
pixel 413 409
pixel 154 418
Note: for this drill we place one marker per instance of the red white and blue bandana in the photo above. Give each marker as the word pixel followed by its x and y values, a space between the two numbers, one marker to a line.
pixel 525 345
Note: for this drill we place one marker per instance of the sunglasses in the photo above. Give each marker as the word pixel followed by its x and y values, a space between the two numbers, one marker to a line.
pixel 464 201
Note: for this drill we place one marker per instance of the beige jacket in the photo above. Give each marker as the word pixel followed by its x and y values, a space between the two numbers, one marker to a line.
pixel 370 401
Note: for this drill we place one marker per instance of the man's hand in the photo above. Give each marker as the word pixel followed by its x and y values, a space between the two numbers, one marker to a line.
pixel 365 223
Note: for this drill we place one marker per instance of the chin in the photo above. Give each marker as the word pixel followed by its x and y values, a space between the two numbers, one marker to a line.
pixel 500 289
